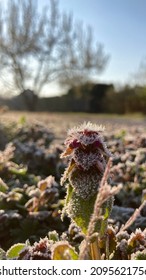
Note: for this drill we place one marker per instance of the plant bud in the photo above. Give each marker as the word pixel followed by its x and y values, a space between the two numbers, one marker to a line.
pixel 88 156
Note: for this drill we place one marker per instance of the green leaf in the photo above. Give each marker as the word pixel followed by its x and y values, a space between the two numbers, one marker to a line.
pixel 14 251
pixel 53 235
pixel 3 186
pixel 63 251
pixel 106 208
pixel 21 171
pixel 140 255
pixel 69 194
pixel 80 210
pixel 22 120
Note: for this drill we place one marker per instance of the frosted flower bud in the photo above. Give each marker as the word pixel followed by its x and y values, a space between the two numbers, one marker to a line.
pixel 88 155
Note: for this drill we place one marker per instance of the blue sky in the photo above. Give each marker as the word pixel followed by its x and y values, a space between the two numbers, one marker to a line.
pixel 121 26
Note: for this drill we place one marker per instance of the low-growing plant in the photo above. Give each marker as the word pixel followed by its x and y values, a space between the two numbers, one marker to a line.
pixel 88 202
pixel 89 199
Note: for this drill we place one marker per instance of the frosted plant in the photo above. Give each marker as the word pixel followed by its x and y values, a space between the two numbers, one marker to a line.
pixel 88 156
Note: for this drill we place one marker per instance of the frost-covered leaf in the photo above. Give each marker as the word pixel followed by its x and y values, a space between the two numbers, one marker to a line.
pixel 139 255
pixel 80 210
pixel 14 251
pixel 63 251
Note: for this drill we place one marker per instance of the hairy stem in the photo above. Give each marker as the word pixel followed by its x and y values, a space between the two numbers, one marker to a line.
pixel 95 250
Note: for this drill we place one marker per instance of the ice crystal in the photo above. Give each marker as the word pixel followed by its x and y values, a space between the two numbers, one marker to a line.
pixel 88 159
pixel 88 156
pixel 137 236
pixel 40 250
pixel 85 183
pixel 48 182
pixel 7 154
pixel 89 127
pixel 84 135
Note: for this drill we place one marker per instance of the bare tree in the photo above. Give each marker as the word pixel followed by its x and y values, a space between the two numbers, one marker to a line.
pixel 38 47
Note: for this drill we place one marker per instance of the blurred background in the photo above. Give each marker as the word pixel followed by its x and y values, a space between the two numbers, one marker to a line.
pixel 73 56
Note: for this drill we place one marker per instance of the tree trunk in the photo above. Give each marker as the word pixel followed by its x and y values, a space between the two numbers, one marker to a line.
pixel 30 99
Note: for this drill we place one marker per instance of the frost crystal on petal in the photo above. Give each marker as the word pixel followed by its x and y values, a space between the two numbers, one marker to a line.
pixel 85 134
pixel 86 127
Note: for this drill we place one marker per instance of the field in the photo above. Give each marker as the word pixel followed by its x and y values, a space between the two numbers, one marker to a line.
pixel 31 197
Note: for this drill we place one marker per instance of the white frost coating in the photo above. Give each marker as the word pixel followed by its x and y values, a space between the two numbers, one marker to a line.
pixel 88 156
